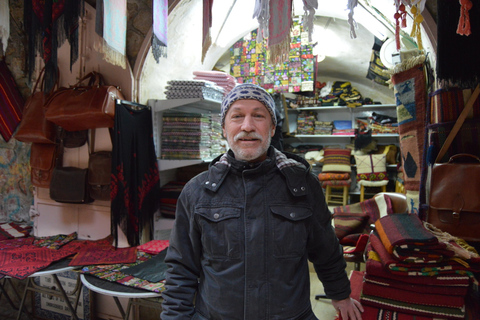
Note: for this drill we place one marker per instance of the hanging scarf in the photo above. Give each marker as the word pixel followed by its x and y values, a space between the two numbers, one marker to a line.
pixel 262 13
pixel 400 22
pixel 207 24
pixel 464 21
pixel 48 24
pixel 457 55
pixel 416 29
pixel 353 24
pixel 309 7
pixel 114 32
pixel 160 21
pixel 4 23
pixel 279 25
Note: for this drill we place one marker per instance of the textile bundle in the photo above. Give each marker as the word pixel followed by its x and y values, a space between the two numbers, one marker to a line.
pixel 221 79
pixel 412 273
pixel 191 136
pixel 183 89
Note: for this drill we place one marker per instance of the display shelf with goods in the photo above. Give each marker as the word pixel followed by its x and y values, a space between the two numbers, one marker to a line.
pixel 198 106
pixel 345 116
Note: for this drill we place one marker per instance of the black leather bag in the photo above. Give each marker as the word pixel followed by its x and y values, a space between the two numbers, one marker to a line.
pixel 99 171
pixel 69 185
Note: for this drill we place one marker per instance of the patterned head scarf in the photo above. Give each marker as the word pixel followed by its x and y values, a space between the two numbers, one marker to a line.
pixel 249 91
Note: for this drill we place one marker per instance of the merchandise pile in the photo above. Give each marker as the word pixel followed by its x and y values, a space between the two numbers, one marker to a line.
pixel 306 122
pixel 413 271
pixel 191 136
pixel 184 89
pixel 221 79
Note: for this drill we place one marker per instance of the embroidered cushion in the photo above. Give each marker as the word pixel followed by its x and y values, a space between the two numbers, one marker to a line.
pixel 337 183
pixel 337 160
pixel 371 167
pixel 333 176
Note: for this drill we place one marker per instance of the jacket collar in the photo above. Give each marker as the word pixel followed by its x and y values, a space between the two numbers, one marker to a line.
pixel 294 168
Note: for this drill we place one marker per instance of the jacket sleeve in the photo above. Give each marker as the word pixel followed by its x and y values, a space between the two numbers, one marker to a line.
pixel 183 261
pixel 325 251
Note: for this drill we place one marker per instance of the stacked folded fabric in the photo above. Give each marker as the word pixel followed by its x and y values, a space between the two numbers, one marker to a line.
pixel 306 122
pixel 191 136
pixel 409 272
pixel 184 89
pixel 323 127
pixel 221 79
pixel 169 194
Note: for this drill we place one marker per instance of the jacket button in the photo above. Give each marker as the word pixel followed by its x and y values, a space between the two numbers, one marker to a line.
pixel 292 214
pixel 214 184
pixel 302 188
pixel 216 216
pixel 207 182
pixel 295 189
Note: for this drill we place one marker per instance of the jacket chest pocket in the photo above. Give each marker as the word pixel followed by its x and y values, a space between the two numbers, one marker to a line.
pixel 290 233
pixel 220 231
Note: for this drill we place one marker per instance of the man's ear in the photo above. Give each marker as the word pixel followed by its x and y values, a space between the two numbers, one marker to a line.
pixel 223 130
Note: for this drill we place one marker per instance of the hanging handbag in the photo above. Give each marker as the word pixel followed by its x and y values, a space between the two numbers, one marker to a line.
pixel 69 184
pixel 74 139
pixel 454 188
pixel 42 162
pixel 83 107
pixel 34 127
pixel 99 172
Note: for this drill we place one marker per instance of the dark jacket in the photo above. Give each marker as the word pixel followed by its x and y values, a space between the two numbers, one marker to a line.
pixel 241 240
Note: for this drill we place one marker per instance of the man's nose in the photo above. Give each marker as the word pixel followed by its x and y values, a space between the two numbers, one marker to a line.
pixel 247 124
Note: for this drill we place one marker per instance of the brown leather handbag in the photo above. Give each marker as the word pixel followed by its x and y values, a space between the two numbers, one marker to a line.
pixel 99 172
pixel 83 107
pixel 34 127
pixel 42 162
pixel 454 206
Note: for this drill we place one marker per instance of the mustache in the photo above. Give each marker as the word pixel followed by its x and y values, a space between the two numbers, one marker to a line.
pixel 247 135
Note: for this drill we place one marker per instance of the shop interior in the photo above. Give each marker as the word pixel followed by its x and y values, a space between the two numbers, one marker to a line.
pixel 342 100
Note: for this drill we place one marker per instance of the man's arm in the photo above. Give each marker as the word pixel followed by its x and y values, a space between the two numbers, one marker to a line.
pixel 183 262
pixel 349 309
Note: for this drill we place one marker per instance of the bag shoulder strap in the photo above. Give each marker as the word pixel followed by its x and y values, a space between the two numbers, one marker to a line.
pixel 458 123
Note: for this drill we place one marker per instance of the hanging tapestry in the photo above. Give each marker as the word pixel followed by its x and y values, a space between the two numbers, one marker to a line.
pixel 160 23
pixel 135 182
pixel 411 96
pixel 457 54
pixel 279 26
pixel 48 24
pixel 206 25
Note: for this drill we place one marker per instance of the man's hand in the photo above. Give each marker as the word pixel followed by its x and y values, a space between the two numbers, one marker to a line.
pixel 349 309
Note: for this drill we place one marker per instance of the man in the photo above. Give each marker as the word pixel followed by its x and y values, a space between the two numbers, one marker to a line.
pixel 245 228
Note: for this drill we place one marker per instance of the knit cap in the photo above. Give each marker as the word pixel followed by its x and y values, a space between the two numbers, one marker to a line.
pixel 248 91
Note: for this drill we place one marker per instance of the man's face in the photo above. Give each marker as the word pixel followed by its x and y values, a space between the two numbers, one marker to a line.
pixel 249 129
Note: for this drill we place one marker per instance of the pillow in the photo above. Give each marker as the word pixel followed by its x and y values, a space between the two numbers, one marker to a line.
pixel 337 160
pixel 333 176
pixel 372 167
pixel 356 218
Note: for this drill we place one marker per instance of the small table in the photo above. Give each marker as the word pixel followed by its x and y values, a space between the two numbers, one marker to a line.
pixel 53 269
pixel 136 297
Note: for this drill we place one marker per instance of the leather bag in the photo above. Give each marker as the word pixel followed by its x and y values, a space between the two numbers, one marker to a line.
pixel 454 206
pixel 75 139
pixel 99 172
pixel 69 185
pixel 83 107
pixel 34 127
pixel 455 186
pixel 42 162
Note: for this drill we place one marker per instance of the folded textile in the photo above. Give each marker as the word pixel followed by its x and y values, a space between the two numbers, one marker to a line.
pixel 413 308
pixel 154 246
pixel 55 241
pixel 428 288
pixel 355 218
pixel 401 295
pixel 418 269
pixel 13 230
pixel 403 229
pixel 104 255
pixel 16 243
pixel 370 312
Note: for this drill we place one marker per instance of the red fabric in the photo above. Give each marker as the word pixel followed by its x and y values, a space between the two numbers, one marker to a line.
pixel 398 294
pixel 333 176
pixel 11 103
pixel 21 262
pixel 12 230
pixel 104 255
pixel 154 246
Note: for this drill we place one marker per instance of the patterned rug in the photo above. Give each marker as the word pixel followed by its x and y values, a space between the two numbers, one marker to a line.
pixel 411 96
